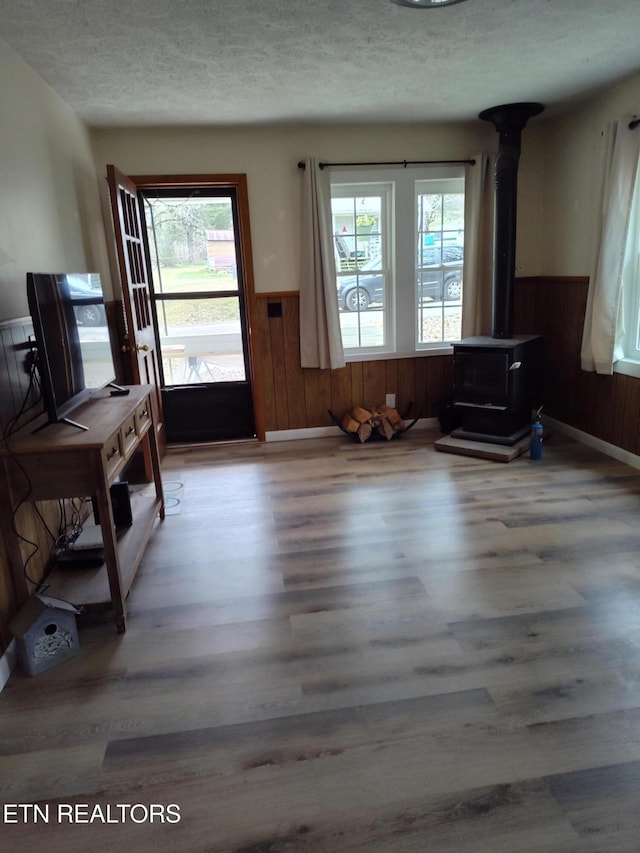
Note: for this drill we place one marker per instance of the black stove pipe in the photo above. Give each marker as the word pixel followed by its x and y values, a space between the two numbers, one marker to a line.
pixel 509 120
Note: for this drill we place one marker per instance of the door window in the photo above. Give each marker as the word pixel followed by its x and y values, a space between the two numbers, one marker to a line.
pixel 199 307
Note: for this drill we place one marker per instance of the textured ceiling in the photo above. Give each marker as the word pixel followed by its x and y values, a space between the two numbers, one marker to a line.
pixel 208 62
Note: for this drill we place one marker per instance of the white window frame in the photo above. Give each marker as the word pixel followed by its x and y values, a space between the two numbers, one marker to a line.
pixel 438 186
pixel 401 315
pixel 385 190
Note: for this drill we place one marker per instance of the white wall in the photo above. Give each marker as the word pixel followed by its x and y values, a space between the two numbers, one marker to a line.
pixel 572 164
pixel 269 156
pixel 50 219
pixel 51 174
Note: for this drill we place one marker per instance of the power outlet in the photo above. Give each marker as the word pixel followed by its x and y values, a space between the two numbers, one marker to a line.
pixel 390 400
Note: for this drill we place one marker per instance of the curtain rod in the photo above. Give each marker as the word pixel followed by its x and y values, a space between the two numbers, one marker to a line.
pixel 404 163
pixel 634 123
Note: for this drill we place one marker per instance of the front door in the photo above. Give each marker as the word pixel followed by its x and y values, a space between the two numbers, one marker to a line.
pixel 139 343
pixel 196 258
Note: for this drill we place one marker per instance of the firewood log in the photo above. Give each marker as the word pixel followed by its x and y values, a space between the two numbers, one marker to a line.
pixel 385 428
pixel 360 414
pixel 364 432
pixel 350 424
pixel 392 414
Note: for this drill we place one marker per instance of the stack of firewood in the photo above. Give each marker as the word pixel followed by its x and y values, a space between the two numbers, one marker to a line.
pixel 381 420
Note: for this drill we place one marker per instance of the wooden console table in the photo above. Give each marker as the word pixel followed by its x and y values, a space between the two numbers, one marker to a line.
pixel 61 461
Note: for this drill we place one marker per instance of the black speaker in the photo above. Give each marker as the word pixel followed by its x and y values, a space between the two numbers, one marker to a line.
pixel 120 505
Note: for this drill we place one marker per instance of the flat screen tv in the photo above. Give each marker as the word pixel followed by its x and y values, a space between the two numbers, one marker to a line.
pixel 72 339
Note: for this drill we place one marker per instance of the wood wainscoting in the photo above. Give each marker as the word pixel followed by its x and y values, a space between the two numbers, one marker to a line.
pixel 607 407
pixel 297 398
pixel 14 385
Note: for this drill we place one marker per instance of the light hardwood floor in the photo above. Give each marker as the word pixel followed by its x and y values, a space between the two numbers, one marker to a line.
pixel 338 647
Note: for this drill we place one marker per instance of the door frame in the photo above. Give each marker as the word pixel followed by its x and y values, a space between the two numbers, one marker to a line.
pixel 237 182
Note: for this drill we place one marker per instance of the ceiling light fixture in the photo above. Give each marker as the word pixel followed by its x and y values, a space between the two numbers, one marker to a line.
pixel 426 4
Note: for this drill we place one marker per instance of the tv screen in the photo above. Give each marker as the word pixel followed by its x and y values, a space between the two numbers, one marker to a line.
pixel 72 338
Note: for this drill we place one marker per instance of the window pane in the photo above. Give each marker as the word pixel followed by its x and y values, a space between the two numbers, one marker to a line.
pixel 358 228
pixel 440 254
pixel 437 323
pixel 357 223
pixel 363 327
pixel 192 244
pixel 200 340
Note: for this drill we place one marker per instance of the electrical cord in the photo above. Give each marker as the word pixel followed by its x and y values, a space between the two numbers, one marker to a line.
pixel 8 430
pixel 43 521
pixel 69 530
pixel 34 383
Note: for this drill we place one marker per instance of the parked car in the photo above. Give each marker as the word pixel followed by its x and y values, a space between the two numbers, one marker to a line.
pixel 441 285
pixel 357 292
pixel 444 283
pixel 88 305
pixel 430 256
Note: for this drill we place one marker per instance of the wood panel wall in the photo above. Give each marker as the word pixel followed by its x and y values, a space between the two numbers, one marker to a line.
pixel 14 387
pixel 607 407
pixel 296 398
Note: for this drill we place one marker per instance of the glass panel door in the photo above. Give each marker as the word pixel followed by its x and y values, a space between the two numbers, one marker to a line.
pixel 198 297
pixel 192 245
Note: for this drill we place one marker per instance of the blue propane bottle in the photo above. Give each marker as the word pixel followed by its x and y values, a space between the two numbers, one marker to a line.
pixel 535 443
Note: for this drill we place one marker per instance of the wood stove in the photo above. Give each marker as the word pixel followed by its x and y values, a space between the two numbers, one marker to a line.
pixel 496 384
pixel 497 379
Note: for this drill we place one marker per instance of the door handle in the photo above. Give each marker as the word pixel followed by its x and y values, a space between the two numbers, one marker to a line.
pixel 137 348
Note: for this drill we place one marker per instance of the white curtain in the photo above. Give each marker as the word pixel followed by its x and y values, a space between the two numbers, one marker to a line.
pixel 602 326
pixel 477 245
pixel 320 336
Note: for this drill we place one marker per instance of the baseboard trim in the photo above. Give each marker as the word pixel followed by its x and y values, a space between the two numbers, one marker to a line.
pixel 8 662
pixel 297 434
pixel 327 432
pixel 612 450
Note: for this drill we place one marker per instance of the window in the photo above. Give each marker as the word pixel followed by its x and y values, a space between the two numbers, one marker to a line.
pixel 440 233
pixel 399 249
pixel 628 350
pixel 198 299
pixel 361 222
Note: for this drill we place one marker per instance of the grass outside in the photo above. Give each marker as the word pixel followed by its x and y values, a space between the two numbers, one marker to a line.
pixel 194 278
pixel 191 277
